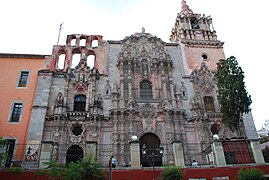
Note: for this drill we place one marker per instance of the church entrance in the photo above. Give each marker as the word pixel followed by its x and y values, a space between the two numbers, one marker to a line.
pixel 74 153
pixel 152 144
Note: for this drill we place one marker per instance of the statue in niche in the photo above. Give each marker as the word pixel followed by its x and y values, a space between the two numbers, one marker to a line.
pixel 115 88
pixel 56 135
pixel 59 99
pixel 144 51
pixel 81 77
pixel 54 152
pixel 177 89
pixel 144 64
pixel 107 88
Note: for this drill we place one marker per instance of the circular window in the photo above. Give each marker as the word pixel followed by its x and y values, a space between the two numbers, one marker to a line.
pixel 204 56
pixel 77 130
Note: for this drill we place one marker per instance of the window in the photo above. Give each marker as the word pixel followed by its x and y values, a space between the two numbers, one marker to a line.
pixel 23 79
pixel 194 23
pixel 61 61
pixel 90 61
pixel 75 60
pixel 79 103
pixel 209 104
pixel 16 112
pixel 145 90
pixel 94 43
pixel 204 57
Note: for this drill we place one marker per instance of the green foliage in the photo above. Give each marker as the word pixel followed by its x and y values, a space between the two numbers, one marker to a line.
pixel 250 174
pixel 232 95
pixel 172 173
pixel 264 139
pixel 84 169
pixel 3 154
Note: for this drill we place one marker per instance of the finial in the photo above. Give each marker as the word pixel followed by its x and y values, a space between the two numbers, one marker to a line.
pixel 143 30
pixel 185 10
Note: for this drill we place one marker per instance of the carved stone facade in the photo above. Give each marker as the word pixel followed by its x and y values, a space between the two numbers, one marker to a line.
pixel 139 85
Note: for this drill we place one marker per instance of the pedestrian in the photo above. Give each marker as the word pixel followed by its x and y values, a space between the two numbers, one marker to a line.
pixel 113 161
pixel 194 163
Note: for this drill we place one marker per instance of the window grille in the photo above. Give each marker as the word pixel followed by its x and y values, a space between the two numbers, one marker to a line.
pixel 79 103
pixel 23 79
pixel 145 90
pixel 15 117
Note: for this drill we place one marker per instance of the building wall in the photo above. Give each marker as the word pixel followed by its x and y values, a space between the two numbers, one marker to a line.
pixel 12 65
pixel 183 106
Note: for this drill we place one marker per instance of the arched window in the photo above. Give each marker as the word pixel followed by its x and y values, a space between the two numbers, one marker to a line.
pixel 73 42
pixel 90 61
pixel 145 90
pixel 61 61
pixel 79 103
pixel 209 104
pixel 95 43
pixel 75 60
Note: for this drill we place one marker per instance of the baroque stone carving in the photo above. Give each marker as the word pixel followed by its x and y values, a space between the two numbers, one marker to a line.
pixel 165 105
pixel 132 105
pixel 60 99
pixel 203 79
pixel 148 111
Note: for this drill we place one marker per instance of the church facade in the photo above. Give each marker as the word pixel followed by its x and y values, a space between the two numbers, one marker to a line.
pixel 139 88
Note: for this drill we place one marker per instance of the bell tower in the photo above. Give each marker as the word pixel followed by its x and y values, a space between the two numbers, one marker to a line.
pixel 197 39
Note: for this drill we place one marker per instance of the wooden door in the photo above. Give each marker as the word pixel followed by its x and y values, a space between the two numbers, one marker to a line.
pixel 152 144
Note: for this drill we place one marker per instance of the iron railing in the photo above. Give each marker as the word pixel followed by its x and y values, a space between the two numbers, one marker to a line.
pixel 30 156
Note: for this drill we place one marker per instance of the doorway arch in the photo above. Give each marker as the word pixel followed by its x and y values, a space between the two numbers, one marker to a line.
pixel 152 144
pixel 74 153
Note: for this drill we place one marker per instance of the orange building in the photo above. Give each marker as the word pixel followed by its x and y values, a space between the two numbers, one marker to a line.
pixel 18 82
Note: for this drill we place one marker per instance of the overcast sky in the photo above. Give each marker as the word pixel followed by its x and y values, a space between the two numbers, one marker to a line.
pixel 31 27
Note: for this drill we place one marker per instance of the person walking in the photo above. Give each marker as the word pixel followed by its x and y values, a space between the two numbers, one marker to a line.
pixel 113 161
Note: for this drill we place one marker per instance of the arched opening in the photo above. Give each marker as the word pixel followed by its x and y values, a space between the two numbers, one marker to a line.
pixel 194 23
pixel 61 61
pixel 215 128
pixel 209 104
pixel 152 144
pixel 82 42
pixel 73 42
pixel 75 60
pixel 79 103
pixel 145 90
pixel 74 154
pixel 90 61
pixel 94 43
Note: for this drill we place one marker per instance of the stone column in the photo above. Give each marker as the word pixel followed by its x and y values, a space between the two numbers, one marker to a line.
pixel 178 153
pixel 135 154
pixel 130 89
pixel 164 90
pixel 45 155
pixel 257 152
pixel 218 152
pixel 91 147
pixel 39 109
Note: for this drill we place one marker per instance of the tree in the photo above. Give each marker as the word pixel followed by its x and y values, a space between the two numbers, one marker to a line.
pixel 87 168
pixel 172 173
pixel 3 154
pixel 232 95
pixel 250 174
